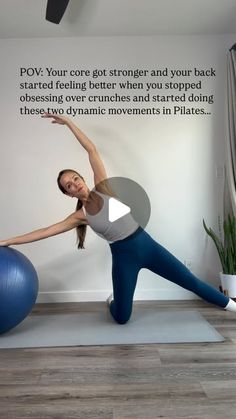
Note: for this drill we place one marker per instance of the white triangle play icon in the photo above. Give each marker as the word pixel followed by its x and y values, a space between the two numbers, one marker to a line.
pixel 117 209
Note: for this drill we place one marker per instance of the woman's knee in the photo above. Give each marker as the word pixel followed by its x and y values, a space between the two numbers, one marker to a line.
pixel 122 319
pixel 121 316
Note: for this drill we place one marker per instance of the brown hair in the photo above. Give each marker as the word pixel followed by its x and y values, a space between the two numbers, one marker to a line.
pixel 80 229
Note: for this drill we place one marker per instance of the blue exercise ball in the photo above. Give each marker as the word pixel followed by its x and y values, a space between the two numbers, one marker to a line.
pixel 18 287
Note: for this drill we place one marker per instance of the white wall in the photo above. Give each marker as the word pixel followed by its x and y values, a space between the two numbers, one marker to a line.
pixel 173 157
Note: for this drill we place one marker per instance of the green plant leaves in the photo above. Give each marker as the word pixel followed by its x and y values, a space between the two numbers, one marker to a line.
pixel 226 249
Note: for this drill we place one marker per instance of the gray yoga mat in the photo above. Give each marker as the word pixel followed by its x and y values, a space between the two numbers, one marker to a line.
pixel 79 329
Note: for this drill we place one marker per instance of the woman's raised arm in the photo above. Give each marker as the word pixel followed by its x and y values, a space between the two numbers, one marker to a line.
pixel 94 157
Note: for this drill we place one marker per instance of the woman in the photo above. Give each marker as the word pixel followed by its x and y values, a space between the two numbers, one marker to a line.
pixel 131 247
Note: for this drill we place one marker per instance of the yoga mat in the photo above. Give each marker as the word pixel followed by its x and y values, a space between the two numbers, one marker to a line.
pixel 79 329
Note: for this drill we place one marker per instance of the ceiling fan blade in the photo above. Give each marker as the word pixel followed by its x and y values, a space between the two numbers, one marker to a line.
pixel 55 10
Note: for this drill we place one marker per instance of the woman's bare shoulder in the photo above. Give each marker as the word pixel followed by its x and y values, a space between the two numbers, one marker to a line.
pixel 80 216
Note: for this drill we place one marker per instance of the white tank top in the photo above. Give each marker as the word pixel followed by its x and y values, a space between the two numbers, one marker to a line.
pixel 111 231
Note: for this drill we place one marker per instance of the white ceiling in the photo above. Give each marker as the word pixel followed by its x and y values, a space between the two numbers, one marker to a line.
pixel 26 18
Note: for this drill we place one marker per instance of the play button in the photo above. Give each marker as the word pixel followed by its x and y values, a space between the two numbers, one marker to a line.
pixel 118 203
pixel 116 210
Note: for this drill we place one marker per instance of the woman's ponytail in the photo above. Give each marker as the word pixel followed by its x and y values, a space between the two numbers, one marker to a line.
pixel 82 228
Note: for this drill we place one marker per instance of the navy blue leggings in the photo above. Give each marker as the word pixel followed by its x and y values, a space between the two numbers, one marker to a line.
pixel 140 251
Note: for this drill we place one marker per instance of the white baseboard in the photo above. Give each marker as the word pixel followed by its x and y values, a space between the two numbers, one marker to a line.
pixel 82 296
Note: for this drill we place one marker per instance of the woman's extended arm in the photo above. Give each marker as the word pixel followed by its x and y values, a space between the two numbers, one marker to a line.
pixel 94 157
pixel 65 225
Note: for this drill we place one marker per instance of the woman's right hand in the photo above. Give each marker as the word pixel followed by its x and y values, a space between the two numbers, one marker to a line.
pixel 56 119
pixel 3 243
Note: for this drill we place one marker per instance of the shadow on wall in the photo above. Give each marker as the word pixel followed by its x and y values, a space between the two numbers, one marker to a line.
pixel 79 13
pixel 73 270
pixel 125 150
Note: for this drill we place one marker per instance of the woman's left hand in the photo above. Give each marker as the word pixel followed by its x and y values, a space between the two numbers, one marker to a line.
pixel 56 119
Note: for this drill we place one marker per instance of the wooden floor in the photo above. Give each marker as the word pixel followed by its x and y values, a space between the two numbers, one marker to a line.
pixel 123 382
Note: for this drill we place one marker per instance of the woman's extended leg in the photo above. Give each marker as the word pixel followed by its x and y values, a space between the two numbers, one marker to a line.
pixel 163 263
pixel 143 252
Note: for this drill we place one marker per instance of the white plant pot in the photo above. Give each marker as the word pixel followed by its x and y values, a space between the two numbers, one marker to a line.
pixel 228 283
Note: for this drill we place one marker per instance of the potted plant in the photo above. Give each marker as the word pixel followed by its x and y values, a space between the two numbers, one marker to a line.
pixel 226 249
